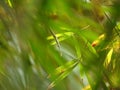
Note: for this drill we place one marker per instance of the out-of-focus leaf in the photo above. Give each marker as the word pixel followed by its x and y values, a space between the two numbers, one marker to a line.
pixel 87 88
pixel 99 39
pixel 108 58
pixel 60 36
pixel 61 72
pixel 10 4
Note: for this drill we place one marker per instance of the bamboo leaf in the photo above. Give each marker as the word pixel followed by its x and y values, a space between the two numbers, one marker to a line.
pixel 61 72
pixel 108 58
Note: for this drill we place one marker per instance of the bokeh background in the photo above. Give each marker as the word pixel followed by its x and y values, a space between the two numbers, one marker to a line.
pixel 59 44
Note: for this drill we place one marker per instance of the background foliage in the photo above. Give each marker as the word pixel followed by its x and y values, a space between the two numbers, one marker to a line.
pixel 59 45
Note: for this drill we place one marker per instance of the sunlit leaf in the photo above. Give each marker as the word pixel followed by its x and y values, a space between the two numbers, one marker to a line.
pixel 87 88
pixel 61 72
pixel 10 4
pixel 60 36
pixel 108 58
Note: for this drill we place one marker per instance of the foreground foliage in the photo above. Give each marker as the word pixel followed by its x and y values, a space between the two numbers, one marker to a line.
pixel 59 45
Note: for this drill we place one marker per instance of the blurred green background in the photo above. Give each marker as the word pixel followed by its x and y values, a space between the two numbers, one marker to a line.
pixel 59 44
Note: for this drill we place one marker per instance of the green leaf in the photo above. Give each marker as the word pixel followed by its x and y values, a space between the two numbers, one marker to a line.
pixel 61 72
pixel 108 58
